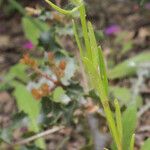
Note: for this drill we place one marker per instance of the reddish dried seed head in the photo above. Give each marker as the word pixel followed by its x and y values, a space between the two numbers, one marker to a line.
pixel 62 64
pixel 45 89
pixel 28 61
pixel 36 94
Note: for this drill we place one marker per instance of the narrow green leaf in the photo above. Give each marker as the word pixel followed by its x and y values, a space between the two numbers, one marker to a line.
pixel 146 145
pixel 17 5
pixel 118 119
pixel 129 67
pixel 132 142
pixel 77 39
pixel 94 75
pixel 85 31
pixel 129 120
pixel 96 81
pixel 97 56
pixel 93 44
pixel 102 68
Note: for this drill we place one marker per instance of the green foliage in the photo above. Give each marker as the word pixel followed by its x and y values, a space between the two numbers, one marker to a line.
pixel 60 96
pixel 47 40
pixel 16 72
pixel 146 145
pixel 30 106
pixel 33 28
pixel 132 142
pixel 118 119
pixel 59 106
pixel 129 120
pixel 124 95
pixel 25 102
pixel 128 67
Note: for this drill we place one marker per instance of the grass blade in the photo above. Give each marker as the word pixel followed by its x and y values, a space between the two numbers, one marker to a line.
pixel 93 44
pixel 102 67
pixel 77 39
pixel 97 83
pixel 132 142
pixel 85 32
pixel 118 119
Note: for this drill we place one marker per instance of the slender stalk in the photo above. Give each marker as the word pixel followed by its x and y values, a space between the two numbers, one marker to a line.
pixel 62 11
pixel 85 31
pixel 37 136
pixel 98 79
pixel 132 142
pixel 101 90
pixel 118 120
pixel 77 39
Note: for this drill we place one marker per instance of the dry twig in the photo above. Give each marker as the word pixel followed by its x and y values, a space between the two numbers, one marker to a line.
pixel 39 135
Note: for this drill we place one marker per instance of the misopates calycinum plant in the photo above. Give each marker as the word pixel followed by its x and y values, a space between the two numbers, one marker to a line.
pixel 93 62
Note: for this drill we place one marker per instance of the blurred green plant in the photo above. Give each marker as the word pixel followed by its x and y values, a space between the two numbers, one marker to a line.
pixel 93 61
pixel 63 99
pixel 129 66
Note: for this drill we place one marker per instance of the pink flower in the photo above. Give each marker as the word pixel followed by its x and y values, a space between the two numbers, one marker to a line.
pixel 112 29
pixel 28 45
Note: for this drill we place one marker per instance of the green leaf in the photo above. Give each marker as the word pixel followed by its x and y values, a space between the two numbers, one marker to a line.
pixel 118 119
pixel 126 47
pixel 30 106
pixel 95 79
pixel 129 67
pixel 27 103
pixel 77 39
pixel 132 142
pixel 17 6
pixel 33 28
pixel 146 145
pixel 85 31
pixel 57 94
pixel 97 56
pixel 124 95
pixel 103 69
pixel 93 44
pixel 16 71
pixel 60 96
pixel 129 120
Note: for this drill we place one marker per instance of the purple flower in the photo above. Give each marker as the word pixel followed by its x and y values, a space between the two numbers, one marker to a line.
pixel 112 29
pixel 28 45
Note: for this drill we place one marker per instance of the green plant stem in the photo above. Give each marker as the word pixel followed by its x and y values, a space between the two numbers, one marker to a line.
pixel 132 142
pixel 118 120
pixel 102 94
pixel 99 85
pixel 77 39
pixel 85 31
pixel 62 11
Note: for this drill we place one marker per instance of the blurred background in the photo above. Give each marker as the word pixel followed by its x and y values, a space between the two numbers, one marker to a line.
pixel 122 28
